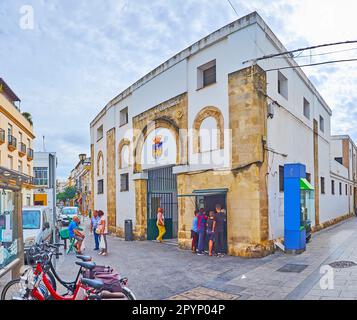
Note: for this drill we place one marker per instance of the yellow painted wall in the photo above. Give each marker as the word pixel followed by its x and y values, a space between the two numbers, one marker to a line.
pixel 10 115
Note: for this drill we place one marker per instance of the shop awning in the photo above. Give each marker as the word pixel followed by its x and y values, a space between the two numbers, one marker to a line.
pixel 305 185
pixel 205 192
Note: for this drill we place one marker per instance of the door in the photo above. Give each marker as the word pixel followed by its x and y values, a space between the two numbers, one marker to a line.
pixel 162 193
pixel 209 204
pixel 165 201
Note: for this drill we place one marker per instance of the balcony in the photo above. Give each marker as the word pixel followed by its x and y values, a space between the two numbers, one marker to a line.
pixel 29 154
pixel 2 136
pixel 11 143
pixel 22 149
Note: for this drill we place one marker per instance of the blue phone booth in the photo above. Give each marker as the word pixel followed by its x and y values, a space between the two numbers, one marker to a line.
pixel 298 207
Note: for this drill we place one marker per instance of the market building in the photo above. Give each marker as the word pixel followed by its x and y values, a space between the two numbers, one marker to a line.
pixel 212 126
pixel 16 178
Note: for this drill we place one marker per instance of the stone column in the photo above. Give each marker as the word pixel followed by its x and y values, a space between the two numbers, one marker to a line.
pixel 140 232
pixel 111 181
pixel 247 200
pixel 18 234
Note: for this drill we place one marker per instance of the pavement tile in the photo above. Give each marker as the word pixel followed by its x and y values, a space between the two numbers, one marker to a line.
pixel 349 294
pixel 183 278
pixel 310 297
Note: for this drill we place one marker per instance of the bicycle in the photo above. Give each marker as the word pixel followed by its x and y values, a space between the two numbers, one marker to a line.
pixel 31 288
pixel 13 287
pixel 26 288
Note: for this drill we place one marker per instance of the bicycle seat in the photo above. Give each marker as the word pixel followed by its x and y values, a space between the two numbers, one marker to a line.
pixel 86 265
pixel 95 284
pixel 84 258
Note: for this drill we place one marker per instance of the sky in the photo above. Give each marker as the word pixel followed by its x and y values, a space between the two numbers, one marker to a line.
pixel 73 57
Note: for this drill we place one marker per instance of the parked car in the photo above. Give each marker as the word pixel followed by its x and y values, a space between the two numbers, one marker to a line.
pixel 67 215
pixel 37 223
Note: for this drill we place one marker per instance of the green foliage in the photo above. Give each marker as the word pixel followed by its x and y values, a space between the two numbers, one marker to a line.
pixel 28 117
pixel 68 194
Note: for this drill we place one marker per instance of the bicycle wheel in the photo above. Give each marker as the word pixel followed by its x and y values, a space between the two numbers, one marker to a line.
pixel 11 290
pixel 128 293
pixel 52 280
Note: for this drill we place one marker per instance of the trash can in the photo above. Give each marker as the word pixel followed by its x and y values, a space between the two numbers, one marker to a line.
pixel 128 230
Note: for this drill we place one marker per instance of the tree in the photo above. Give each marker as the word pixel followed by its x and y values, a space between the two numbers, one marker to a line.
pixel 68 194
pixel 28 117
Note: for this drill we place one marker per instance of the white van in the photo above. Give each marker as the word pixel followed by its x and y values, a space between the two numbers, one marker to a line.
pixel 37 223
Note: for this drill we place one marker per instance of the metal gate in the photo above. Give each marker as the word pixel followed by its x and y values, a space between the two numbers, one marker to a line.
pixel 162 192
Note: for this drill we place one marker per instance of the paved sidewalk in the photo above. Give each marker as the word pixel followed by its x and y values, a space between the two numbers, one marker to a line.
pixel 163 271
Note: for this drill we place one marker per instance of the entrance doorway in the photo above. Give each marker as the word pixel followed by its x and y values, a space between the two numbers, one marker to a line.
pixel 209 202
pixel 162 192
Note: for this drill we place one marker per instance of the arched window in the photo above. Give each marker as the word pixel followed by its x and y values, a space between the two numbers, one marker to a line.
pixel 100 164
pixel 208 123
pixel 208 135
pixel 124 157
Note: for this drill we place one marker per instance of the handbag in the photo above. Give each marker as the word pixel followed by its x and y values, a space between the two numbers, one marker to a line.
pixel 99 229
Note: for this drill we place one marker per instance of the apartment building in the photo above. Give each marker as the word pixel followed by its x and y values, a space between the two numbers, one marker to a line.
pixel 16 178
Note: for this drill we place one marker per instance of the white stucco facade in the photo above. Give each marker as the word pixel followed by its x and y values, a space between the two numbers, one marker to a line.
pixel 290 132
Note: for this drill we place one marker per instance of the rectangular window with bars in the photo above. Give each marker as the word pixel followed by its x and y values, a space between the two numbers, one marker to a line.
pixel 124 117
pixel 332 187
pixel 209 76
pixel 124 182
pixel 281 178
pixel 206 74
pixel 322 185
pixel 100 186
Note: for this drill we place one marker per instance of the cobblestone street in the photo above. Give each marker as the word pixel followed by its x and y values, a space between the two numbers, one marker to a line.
pixel 164 271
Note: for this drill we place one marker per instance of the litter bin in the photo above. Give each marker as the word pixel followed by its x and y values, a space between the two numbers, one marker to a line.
pixel 128 230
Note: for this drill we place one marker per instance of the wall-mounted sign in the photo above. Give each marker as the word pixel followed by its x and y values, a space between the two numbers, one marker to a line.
pixel 157 147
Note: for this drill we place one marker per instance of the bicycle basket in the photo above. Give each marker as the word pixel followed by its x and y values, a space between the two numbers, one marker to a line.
pixel 90 274
pixel 64 234
pixel 111 281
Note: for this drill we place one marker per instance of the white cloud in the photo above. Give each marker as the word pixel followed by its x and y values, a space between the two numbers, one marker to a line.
pixel 81 54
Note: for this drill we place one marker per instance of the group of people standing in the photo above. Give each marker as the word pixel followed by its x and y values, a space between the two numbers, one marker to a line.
pixel 98 226
pixel 208 232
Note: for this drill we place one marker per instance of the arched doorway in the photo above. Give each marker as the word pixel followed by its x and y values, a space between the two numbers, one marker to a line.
pixel 162 192
pixel 158 156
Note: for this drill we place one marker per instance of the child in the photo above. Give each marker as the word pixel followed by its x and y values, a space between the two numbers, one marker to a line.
pixel 211 225
pixel 202 218
pixel 194 232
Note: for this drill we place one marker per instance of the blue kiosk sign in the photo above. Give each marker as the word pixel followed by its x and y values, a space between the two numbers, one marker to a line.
pixel 298 208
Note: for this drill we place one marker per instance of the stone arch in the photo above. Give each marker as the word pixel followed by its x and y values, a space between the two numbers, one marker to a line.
pixel 124 142
pixel 201 116
pixel 166 123
pixel 100 166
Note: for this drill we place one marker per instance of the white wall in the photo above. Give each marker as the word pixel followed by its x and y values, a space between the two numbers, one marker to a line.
pixel 289 132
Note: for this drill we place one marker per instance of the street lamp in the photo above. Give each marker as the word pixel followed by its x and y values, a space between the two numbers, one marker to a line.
pixel 82 157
